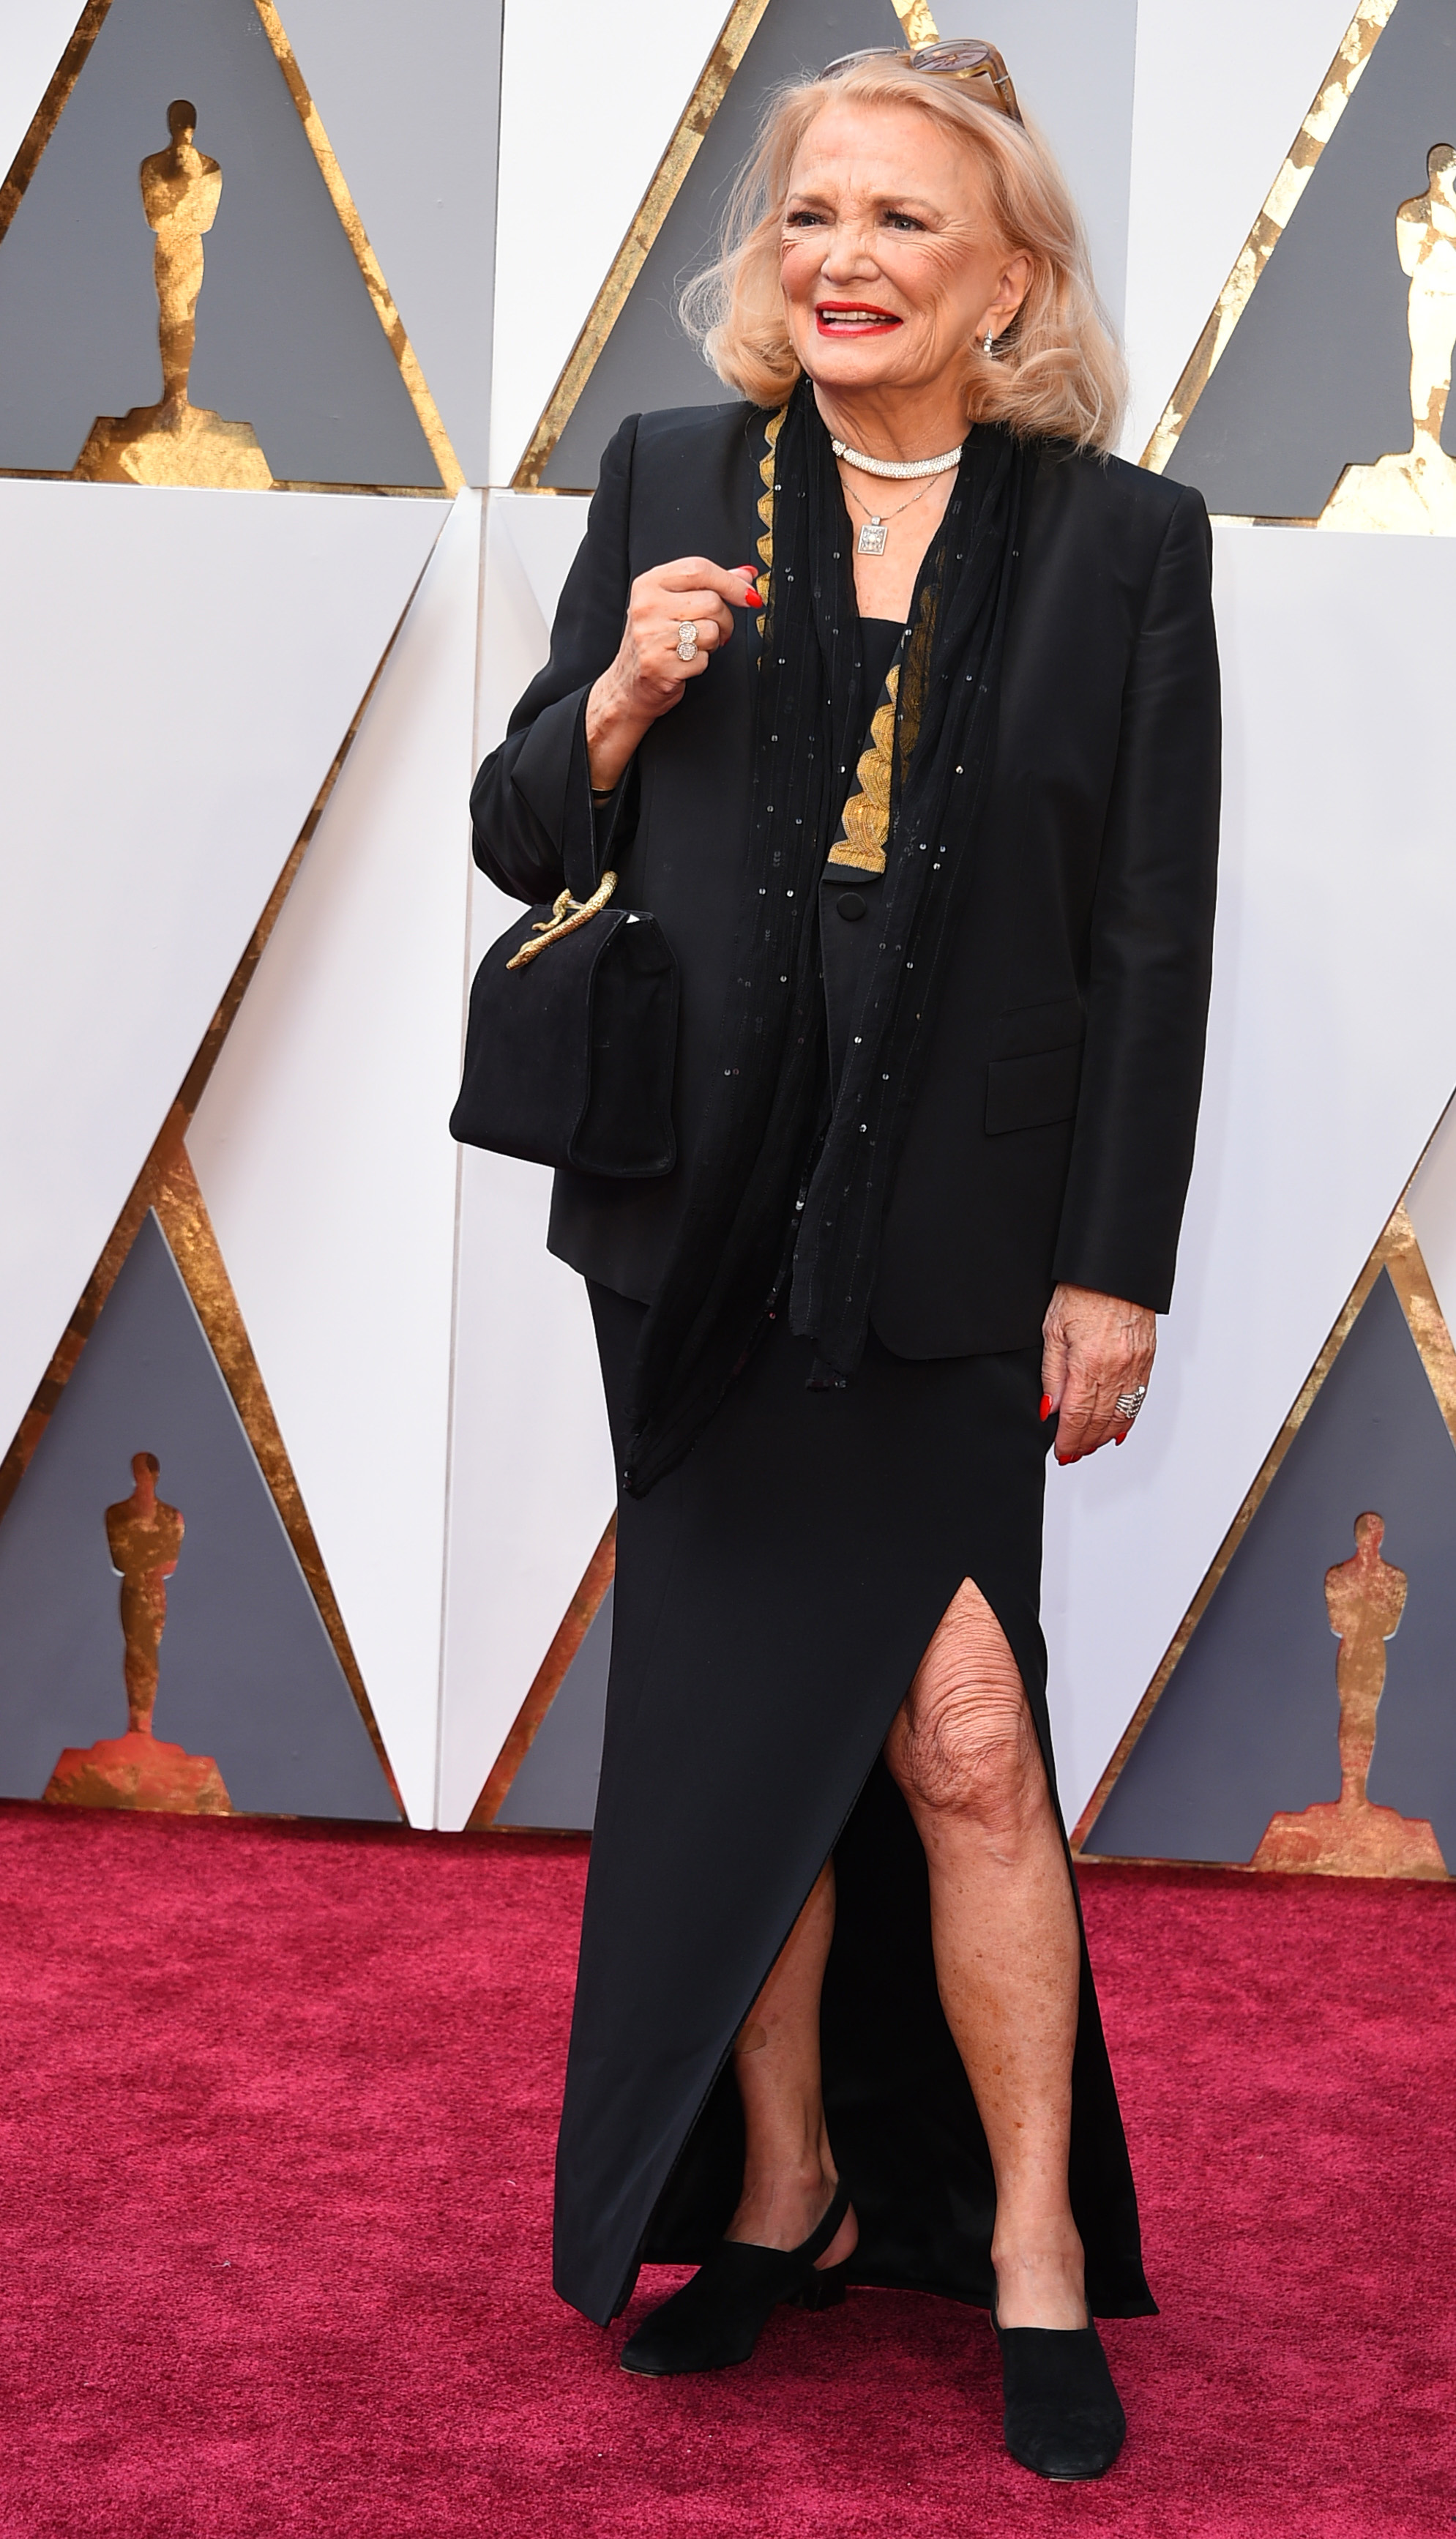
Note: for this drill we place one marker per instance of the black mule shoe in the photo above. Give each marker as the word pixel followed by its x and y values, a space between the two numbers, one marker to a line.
pixel 716 2319
pixel 1064 2418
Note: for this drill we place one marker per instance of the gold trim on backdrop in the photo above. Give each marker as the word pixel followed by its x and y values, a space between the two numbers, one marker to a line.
pixel 550 1675
pixel 1397 1251
pixel 175 1127
pixel 83 1320
pixel 1339 84
pixel 1424 1319
pixel 916 23
pixel 451 473
pixel 181 1213
pixel 712 88
pixel 48 112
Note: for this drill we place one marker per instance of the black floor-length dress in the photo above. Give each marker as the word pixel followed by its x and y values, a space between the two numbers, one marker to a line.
pixel 773 1596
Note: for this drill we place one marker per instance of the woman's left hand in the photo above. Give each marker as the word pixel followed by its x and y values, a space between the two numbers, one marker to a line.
pixel 1094 1350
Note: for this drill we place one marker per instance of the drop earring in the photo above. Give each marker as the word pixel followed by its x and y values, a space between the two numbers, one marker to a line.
pixel 989 347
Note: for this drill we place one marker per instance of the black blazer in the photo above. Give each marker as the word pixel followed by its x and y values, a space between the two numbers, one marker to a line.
pixel 1052 1137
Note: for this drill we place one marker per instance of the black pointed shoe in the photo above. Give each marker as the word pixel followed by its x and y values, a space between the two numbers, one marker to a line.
pixel 717 2317
pixel 1064 2418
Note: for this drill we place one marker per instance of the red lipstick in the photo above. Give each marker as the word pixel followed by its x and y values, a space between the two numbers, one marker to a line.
pixel 881 322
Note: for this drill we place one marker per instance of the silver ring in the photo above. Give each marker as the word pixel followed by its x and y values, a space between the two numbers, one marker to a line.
pixel 1127 1405
pixel 688 640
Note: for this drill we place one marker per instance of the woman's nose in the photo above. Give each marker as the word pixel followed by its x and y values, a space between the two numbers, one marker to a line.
pixel 848 252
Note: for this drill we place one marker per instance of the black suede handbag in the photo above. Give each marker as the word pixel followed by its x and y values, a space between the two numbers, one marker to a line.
pixel 572 1041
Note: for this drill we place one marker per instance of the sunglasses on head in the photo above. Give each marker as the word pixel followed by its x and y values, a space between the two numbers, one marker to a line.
pixel 976 66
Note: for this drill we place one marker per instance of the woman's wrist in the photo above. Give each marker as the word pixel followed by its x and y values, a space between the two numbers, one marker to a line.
pixel 613 733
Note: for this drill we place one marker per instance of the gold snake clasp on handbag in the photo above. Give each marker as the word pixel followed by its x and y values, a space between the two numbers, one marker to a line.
pixel 567 914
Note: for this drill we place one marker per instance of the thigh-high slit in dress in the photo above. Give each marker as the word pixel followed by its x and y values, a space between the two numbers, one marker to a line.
pixel 773 1596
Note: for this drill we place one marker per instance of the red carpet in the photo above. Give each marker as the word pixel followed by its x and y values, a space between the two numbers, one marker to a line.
pixel 277 2118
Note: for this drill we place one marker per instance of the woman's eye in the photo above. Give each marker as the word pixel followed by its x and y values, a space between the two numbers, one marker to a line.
pixel 803 220
pixel 902 221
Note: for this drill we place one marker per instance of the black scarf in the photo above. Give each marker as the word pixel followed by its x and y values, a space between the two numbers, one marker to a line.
pixel 786 1185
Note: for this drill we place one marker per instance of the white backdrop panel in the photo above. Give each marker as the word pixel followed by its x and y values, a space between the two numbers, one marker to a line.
pixel 589 99
pixel 531 1482
pixel 323 1155
pixel 1210 129
pixel 1332 1051
pixel 531 540
pixel 177 670
pixel 34 35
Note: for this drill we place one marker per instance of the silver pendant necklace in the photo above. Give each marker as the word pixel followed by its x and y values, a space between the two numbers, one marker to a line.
pixel 871 538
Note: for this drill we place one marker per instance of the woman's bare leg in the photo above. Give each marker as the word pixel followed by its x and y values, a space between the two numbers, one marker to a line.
pixel 964 1752
pixel 789 2171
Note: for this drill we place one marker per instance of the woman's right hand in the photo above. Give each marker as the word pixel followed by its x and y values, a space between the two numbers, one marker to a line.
pixel 647 678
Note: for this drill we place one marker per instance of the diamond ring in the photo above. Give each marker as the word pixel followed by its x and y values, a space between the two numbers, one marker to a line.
pixel 1129 1405
pixel 687 641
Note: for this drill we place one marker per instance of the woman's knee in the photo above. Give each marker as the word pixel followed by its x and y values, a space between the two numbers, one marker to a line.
pixel 963 1741
pixel 973 1758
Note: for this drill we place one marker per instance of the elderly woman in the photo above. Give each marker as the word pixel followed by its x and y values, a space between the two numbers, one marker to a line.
pixel 925 807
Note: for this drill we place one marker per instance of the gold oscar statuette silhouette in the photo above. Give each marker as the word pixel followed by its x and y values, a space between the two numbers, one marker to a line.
pixel 139 1770
pixel 1350 1836
pixel 177 442
pixel 1415 488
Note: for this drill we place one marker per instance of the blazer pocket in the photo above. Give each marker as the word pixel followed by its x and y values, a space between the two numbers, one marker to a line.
pixel 1026 1031
pixel 1033 1092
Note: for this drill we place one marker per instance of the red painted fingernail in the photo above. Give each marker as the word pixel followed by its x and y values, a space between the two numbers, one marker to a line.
pixel 1121 1437
pixel 1046 1405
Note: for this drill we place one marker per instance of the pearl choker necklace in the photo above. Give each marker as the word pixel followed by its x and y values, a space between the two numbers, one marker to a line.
pixel 947 459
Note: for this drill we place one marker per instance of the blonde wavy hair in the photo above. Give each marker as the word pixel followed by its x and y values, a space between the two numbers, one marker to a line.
pixel 1057 370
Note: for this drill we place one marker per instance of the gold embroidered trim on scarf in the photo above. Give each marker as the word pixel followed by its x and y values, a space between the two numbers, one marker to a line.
pixel 772 431
pixel 865 823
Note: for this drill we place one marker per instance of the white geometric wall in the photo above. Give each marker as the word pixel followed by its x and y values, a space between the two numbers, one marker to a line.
pixel 322 1151
pixel 431 1368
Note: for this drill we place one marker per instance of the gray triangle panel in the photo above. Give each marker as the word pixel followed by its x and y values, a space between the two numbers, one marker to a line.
pixel 1248 1724
pixel 287 335
pixel 247 1671
pixel 556 1785
pixel 1315 375
pixel 648 361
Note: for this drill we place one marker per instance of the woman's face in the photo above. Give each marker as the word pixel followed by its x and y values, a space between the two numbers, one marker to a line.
pixel 890 267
